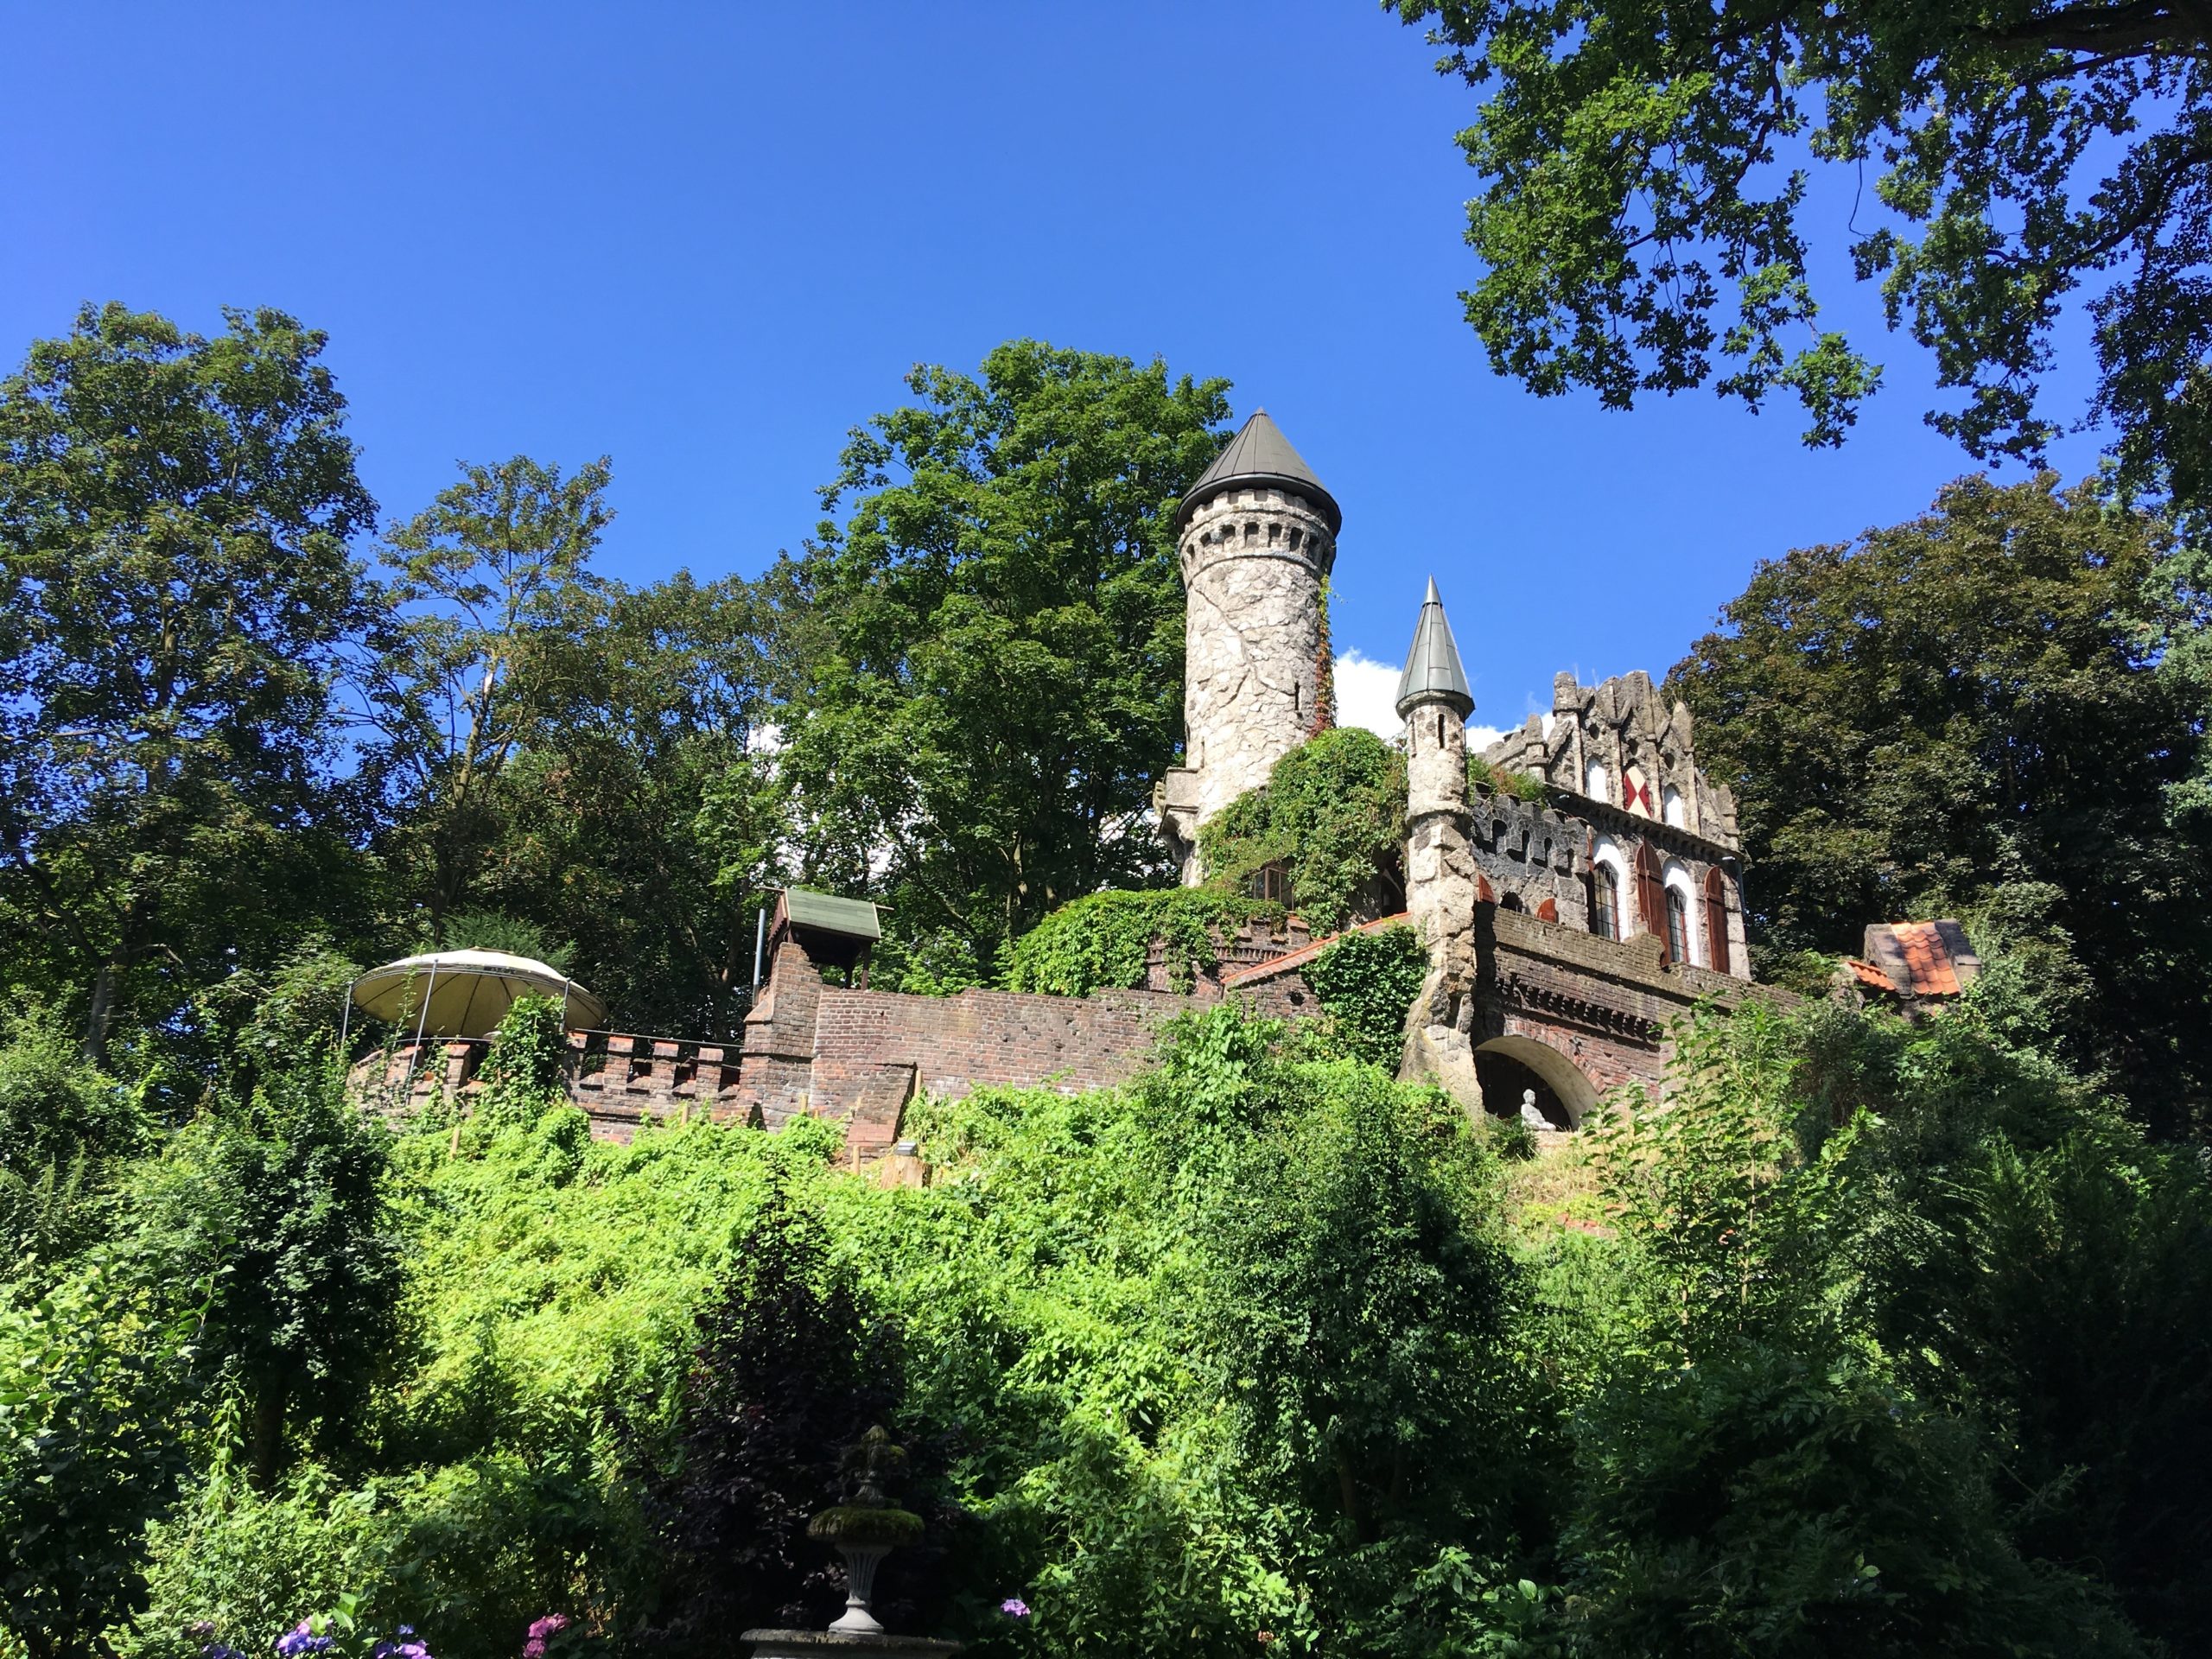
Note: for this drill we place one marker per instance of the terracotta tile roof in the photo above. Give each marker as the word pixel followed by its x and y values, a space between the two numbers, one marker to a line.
pixel 1917 959
pixel 1926 959
pixel 1304 954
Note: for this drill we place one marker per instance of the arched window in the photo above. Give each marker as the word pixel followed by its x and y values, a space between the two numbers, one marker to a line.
pixel 1678 926
pixel 1595 783
pixel 1716 923
pixel 1511 901
pixel 1671 807
pixel 1605 902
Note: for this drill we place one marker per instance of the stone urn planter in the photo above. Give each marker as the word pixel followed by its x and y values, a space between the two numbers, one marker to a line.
pixel 864 1529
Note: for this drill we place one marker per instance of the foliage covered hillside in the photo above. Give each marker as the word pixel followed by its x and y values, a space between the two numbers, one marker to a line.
pixel 1879 1340
pixel 1882 1341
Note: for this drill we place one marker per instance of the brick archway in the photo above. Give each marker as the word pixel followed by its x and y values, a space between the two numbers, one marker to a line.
pixel 1559 1074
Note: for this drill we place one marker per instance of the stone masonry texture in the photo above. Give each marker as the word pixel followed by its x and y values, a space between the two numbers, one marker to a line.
pixel 1253 564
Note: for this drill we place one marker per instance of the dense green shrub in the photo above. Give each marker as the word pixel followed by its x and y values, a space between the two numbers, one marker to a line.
pixel 1104 940
pixel 279 1203
pixel 1521 786
pixel 1368 982
pixel 94 1389
pixel 1332 814
pixel 1888 1331
pixel 66 1130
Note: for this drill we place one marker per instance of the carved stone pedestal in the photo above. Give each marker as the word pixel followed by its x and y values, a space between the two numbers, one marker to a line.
pixel 842 1645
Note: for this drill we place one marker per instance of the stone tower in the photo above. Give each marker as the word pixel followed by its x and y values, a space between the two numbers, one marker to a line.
pixel 1441 877
pixel 1434 702
pixel 1256 537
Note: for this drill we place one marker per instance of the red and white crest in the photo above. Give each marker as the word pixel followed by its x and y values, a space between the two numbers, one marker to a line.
pixel 1636 794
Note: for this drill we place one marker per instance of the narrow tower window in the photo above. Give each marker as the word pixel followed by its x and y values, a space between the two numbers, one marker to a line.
pixel 1605 902
pixel 1678 926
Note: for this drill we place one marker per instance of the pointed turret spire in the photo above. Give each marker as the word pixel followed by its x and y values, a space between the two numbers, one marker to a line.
pixel 1433 671
pixel 1259 456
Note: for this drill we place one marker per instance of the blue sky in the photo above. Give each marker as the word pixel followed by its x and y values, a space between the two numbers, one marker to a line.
pixel 705 240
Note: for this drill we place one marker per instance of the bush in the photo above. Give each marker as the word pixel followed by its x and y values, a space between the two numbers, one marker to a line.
pixel 1368 982
pixel 789 1370
pixel 67 1130
pixel 1332 814
pixel 1103 940
pixel 1521 786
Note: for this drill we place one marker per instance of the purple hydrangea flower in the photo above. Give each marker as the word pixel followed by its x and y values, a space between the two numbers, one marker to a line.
pixel 1014 1607
pixel 300 1639
pixel 541 1630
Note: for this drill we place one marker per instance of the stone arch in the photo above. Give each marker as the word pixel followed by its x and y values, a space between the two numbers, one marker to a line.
pixel 1576 1094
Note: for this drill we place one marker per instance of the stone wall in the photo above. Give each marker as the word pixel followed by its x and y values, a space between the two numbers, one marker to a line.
pixel 1531 852
pixel 857 1056
pixel 1603 1007
pixel 1626 730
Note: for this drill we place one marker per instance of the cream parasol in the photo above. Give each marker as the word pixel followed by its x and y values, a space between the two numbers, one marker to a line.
pixel 467 993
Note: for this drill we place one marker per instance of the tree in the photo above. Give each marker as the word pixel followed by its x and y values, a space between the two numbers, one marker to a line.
pixel 636 819
pixel 91 1442
pixel 493 582
pixel 1644 227
pixel 174 515
pixel 788 1372
pixel 1966 715
pixel 981 667
pixel 277 1200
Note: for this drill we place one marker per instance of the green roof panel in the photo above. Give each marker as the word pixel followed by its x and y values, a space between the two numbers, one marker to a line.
pixel 854 918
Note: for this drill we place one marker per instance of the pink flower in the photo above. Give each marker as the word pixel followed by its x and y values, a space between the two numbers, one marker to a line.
pixel 1014 1607
pixel 552 1624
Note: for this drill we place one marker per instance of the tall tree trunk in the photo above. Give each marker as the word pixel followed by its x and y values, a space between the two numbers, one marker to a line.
pixel 266 1451
pixel 99 1016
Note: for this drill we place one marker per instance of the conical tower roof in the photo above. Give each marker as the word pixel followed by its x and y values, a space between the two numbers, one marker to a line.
pixel 1259 456
pixel 1433 668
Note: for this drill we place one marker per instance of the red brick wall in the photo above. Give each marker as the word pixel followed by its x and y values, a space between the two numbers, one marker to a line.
pixel 860 1055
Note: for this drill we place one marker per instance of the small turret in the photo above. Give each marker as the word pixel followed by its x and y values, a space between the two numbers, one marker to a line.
pixel 1441 877
pixel 1434 702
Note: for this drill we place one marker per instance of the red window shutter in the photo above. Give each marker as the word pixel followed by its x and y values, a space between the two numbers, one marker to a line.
pixel 1650 894
pixel 1483 892
pixel 1716 923
pixel 1549 911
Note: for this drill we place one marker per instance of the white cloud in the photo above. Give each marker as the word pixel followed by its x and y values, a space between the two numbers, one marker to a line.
pixel 1367 692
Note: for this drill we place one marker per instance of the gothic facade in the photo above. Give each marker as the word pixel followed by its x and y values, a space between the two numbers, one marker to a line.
pixel 1578 888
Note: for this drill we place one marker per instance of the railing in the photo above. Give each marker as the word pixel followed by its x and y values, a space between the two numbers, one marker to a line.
pixel 598 1067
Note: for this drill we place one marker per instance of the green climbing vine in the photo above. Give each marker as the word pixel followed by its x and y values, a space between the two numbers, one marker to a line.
pixel 1367 981
pixel 1104 939
pixel 1333 814
pixel 522 1073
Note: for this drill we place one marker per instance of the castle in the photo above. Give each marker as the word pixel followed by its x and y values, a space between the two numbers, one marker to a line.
pixel 1578 891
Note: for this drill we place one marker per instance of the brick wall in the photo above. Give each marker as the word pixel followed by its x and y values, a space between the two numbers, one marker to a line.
pixel 860 1055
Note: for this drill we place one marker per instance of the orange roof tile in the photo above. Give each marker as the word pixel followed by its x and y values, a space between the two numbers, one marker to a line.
pixel 1304 954
pixel 1926 959
pixel 1870 975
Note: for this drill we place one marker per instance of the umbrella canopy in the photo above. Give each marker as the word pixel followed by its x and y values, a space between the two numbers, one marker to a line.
pixel 469 992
